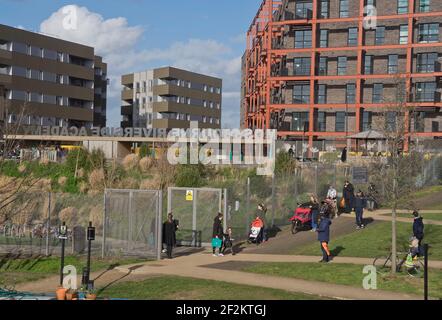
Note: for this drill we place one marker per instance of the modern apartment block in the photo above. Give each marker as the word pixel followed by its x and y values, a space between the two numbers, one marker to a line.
pixel 167 98
pixel 324 70
pixel 51 82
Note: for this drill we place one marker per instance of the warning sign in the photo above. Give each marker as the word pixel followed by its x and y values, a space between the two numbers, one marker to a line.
pixel 189 195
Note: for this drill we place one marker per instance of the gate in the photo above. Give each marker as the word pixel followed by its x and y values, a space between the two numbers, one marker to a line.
pixel 132 223
pixel 195 209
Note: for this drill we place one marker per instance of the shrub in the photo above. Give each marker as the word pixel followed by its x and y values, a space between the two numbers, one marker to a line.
pixel 69 215
pixel 146 164
pixel 130 162
pixel 62 181
pixel 97 179
pixel 189 176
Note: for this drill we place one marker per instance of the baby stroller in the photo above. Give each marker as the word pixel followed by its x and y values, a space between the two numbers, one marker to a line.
pixel 256 232
pixel 302 219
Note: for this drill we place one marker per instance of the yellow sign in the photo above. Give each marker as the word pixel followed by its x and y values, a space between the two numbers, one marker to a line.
pixel 189 195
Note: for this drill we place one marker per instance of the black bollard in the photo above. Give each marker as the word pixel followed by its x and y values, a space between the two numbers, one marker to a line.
pixel 90 238
pixel 63 235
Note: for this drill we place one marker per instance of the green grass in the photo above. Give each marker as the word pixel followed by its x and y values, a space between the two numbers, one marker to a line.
pixel 425 215
pixel 427 191
pixel 14 271
pixel 375 241
pixel 350 275
pixel 181 288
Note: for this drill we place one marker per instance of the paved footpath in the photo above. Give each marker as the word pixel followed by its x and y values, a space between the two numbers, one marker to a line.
pixel 385 215
pixel 197 266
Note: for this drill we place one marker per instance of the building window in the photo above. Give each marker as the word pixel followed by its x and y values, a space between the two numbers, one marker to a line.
pixel 402 6
pixel 352 36
pixel 403 34
pixel 390 121
pixel 325 9
pixel 303 39
pixel 419 122
pixel 340 125
pixel 370 3
pixel 426 62
pixel 322 68
pixel 342 66
pixel 343 8
pixel 323 38
pixel 424 6
pixel 380 36
pixel 368 65
pixel 322 94
pixel 378 93
pixel 301 66
pixel 393 61
pixel 351 93
pixel 429 32
pixel 300 121
pixel 366 120
pixel 425 91
pixel 304 9
pixel 301 94
pixel 321 122
pixel 435 126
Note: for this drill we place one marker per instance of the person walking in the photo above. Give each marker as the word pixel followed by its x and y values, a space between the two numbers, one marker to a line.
pixel 348 194
pixel 360 203
pixel 217 235
pixel 324 237
pixel 261 213
pixel 332 196
pixel 418 229
pixel 170 228
pixel 228 241
pixel 314 206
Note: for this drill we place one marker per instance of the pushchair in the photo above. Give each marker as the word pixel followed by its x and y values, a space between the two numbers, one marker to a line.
pixel 256 232
pixel 302 219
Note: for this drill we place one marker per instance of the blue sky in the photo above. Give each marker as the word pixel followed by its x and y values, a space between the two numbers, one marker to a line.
pixel 203 36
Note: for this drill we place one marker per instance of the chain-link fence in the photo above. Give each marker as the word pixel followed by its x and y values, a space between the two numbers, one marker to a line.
pixel 281 193
pixel 33 221
pixel 195 210
pixel 132 223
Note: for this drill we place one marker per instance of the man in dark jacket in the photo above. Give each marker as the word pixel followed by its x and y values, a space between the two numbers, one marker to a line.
pixel 360 202
pixel 169 234
pixel 418 229
pixel 218 232
pixel 324 237
pixel 348 194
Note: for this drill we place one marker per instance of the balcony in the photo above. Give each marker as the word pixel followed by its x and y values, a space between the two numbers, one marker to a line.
pixel 127 94
pixel 126 110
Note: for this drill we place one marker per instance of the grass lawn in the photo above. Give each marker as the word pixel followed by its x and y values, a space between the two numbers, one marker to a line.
pixel 427 192
pixel 375 241
pixel 181 288
pixel 351 275
pixel 426 215
pixel 14 271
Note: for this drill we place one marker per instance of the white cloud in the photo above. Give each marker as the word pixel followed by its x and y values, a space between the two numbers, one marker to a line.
pixel 116 41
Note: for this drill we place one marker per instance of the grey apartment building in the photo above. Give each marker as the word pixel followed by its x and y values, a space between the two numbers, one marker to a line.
pixel 50 82
pixel 318 70
pixel 167 98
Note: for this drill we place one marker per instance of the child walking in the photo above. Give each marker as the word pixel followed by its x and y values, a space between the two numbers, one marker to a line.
pixel 324 237
pixel 228 242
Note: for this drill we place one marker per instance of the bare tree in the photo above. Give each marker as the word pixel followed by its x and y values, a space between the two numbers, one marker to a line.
pixel 398 173
pixel 12 189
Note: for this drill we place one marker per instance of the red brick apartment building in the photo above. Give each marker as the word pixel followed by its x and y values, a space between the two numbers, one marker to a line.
pixel 318 71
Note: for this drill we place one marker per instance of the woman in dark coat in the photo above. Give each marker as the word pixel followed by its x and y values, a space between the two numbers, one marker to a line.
pixel 324 237
pixel 349 195
pixel 169 234
pixel 218 231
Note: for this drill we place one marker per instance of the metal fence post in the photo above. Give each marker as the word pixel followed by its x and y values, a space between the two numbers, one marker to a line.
pixel 273 200
pixel 130 231
pixel 48 225
pixel 316 180
pixel 248 206
pixel 159 224
pixel 194 218
pixel 225 209
pixel 103 243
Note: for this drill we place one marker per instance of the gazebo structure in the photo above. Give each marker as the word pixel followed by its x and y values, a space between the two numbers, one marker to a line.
pixel 370 136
